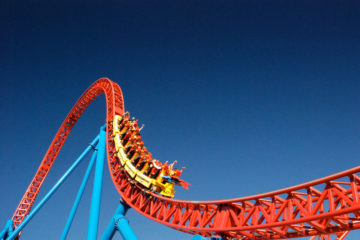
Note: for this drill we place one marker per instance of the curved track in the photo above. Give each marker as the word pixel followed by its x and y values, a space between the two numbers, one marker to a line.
pixel 325 206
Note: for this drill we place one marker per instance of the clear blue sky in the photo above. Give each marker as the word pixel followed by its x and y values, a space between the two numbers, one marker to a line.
pixel 250 96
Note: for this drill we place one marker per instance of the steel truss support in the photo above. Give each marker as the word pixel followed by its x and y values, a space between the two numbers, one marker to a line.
pixel 320 207
pixel 199 237
pixel 17 230
pixel 336 236
pixel 78 197
pixel 96 195
pixel 119 223
pixel 7 230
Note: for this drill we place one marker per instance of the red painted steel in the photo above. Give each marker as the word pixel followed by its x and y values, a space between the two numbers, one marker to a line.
pixel 324 207
pixel 337 236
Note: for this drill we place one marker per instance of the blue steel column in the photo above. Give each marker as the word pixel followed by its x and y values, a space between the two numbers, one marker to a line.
pixel 52 190
pixel 119 222
pixel 79 195
pixel 7 229
pixel 96 195
pixel 199 237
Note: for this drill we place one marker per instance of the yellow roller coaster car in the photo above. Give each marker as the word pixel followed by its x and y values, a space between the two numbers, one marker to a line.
pixel 138 162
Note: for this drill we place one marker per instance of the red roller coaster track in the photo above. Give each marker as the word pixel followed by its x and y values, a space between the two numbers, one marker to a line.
pixel 320 208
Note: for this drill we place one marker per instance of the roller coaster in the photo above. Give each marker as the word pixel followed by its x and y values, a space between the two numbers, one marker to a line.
pixel 326 208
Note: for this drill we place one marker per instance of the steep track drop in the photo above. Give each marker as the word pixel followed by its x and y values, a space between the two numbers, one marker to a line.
pixel 325 206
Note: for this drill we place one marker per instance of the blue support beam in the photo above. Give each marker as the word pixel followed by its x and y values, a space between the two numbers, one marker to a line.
pixel 199 237
pixel 96 195
pixel 120 223
pixel 52 190
pixel 78 197
pixel 7 229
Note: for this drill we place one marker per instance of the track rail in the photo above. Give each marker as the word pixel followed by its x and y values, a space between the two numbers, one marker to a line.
pixel 325 206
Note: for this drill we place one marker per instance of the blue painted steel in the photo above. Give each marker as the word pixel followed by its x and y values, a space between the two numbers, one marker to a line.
pixel 120 223
pixel 111 228
pixel 79 195
pixel 96 195
pixel 199 237
pixel 52 190
pixel 7 229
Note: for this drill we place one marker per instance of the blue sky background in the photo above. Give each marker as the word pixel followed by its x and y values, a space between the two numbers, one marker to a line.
pixel 250 96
